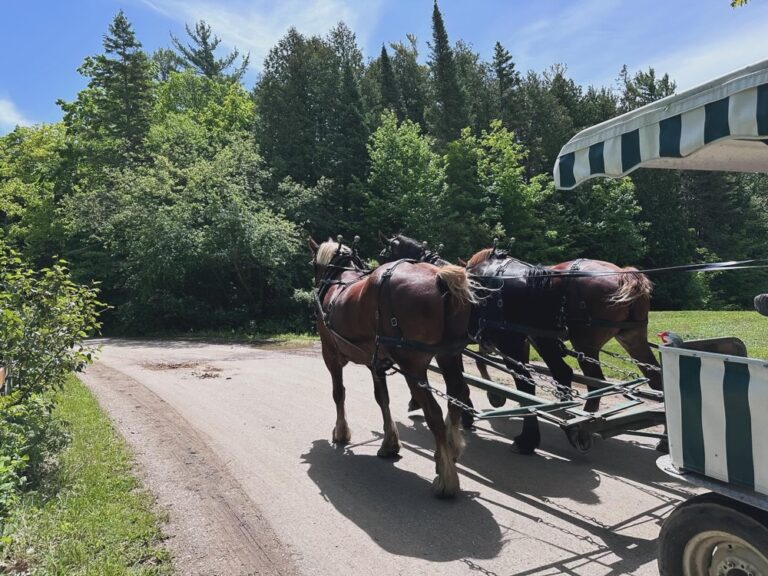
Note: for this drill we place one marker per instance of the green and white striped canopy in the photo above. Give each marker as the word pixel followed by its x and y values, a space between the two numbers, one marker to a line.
pixel 720 125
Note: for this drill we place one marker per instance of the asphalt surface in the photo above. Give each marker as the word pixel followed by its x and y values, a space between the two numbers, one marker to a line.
pixel 235 442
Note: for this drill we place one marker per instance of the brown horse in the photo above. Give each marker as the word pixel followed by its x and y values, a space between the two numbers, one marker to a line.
pixel 423 307
pixel 535 303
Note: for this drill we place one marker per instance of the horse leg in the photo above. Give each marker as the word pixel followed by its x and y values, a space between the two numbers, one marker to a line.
pixel 591 369
pixel 530 437
pixel 391 444
pixel 446 484
pixel 635 342
pixel 451 368
pixel 341 432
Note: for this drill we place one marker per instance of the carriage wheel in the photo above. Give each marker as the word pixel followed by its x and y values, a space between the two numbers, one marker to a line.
pixel 496 400
pixel 712 534
pixel 581 440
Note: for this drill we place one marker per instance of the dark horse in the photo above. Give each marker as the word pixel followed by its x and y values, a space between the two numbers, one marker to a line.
pixel 538 306
pixel 535 303
pixel 362 315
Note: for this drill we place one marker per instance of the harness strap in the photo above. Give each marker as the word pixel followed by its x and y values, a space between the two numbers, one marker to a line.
pixel 523 329
pixel 436 349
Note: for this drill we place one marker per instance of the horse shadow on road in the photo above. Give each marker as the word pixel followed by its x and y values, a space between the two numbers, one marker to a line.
pixel 545 482
pixel 395 507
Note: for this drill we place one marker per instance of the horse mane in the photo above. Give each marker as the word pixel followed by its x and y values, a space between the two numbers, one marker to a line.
pixel 479 257
pixel 328 250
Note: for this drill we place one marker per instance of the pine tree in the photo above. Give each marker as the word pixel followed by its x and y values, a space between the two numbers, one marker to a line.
pixel 507 83
pixel 411 79
pixel 200 54
pixel 449 115
pixel 390 92
pixel 351 133
pixel 114 112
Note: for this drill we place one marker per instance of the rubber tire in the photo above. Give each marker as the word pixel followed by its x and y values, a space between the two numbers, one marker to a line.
pixel 703 513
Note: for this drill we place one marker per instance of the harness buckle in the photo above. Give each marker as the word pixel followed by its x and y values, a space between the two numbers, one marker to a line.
pixel 393 322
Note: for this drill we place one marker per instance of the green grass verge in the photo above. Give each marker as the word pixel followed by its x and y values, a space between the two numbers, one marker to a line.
pixel 92 517
pixel 696 324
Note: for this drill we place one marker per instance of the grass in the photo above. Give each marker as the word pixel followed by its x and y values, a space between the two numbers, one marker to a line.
pixel 696 324
pixel 92 517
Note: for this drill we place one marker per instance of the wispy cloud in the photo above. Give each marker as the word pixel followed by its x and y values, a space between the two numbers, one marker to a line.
pixel 10 116
pixel 702 61
pixel 257 26
pixel 540 43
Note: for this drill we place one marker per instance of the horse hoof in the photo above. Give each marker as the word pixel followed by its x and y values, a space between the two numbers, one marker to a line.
pixel 496 400
pixel 580 439
pixel 341 435
pixel 663 446
pixel 467 421
pixel 441 489
pixel 522 449
pixel 592 405
pixel 389 452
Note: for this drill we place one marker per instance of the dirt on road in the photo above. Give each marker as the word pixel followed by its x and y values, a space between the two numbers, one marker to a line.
pixel 234 442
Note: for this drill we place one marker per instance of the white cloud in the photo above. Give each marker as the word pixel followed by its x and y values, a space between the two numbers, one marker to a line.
pixel 701 62
pixel 10 116
pixel 257 26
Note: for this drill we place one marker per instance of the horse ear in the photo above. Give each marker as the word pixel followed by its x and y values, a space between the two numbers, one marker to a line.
pixel 462 262
pixel 313 246
pixel 383 239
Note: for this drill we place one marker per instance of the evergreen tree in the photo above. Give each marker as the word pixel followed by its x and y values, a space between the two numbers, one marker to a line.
pixel 350 134
pixel 200 54
pixel 390 92
pixel 449 114
pixel 166 61
pixel 476 83
pixel 411 79
pixel 643 88
pixel 507 80
pixel 286 130
pixel 114 112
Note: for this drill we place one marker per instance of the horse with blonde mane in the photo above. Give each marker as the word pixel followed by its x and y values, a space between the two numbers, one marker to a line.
pixel 402 314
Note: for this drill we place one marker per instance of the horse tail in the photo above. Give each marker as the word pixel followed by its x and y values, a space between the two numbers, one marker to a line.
pixel 631 287
pixel 459 284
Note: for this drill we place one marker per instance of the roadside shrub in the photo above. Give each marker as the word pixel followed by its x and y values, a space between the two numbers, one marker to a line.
pixel 44 317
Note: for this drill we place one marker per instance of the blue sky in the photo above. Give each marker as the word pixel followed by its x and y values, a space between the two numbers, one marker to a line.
pixel 42 42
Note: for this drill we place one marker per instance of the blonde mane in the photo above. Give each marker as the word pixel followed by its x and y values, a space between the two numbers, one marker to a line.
pixel 327 251
pixel 481 256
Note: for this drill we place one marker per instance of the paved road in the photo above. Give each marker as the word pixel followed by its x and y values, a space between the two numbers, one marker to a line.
pixel 234 440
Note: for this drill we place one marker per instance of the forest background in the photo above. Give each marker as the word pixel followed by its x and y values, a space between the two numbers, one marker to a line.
pixel 188 196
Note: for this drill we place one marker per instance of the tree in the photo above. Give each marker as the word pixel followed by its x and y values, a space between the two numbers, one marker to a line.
pixel 406 180
pixel 112 116
pixel 390 91
pixel 411 79
pixel 30 165
pixel 200 54
pixel 449 114
pixel 476 83
pixel 643 88
pixel 507 80
pixel 166 61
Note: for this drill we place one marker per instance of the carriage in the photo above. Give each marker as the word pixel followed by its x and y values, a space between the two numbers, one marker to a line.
pixel 714 398
pixel 716 405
